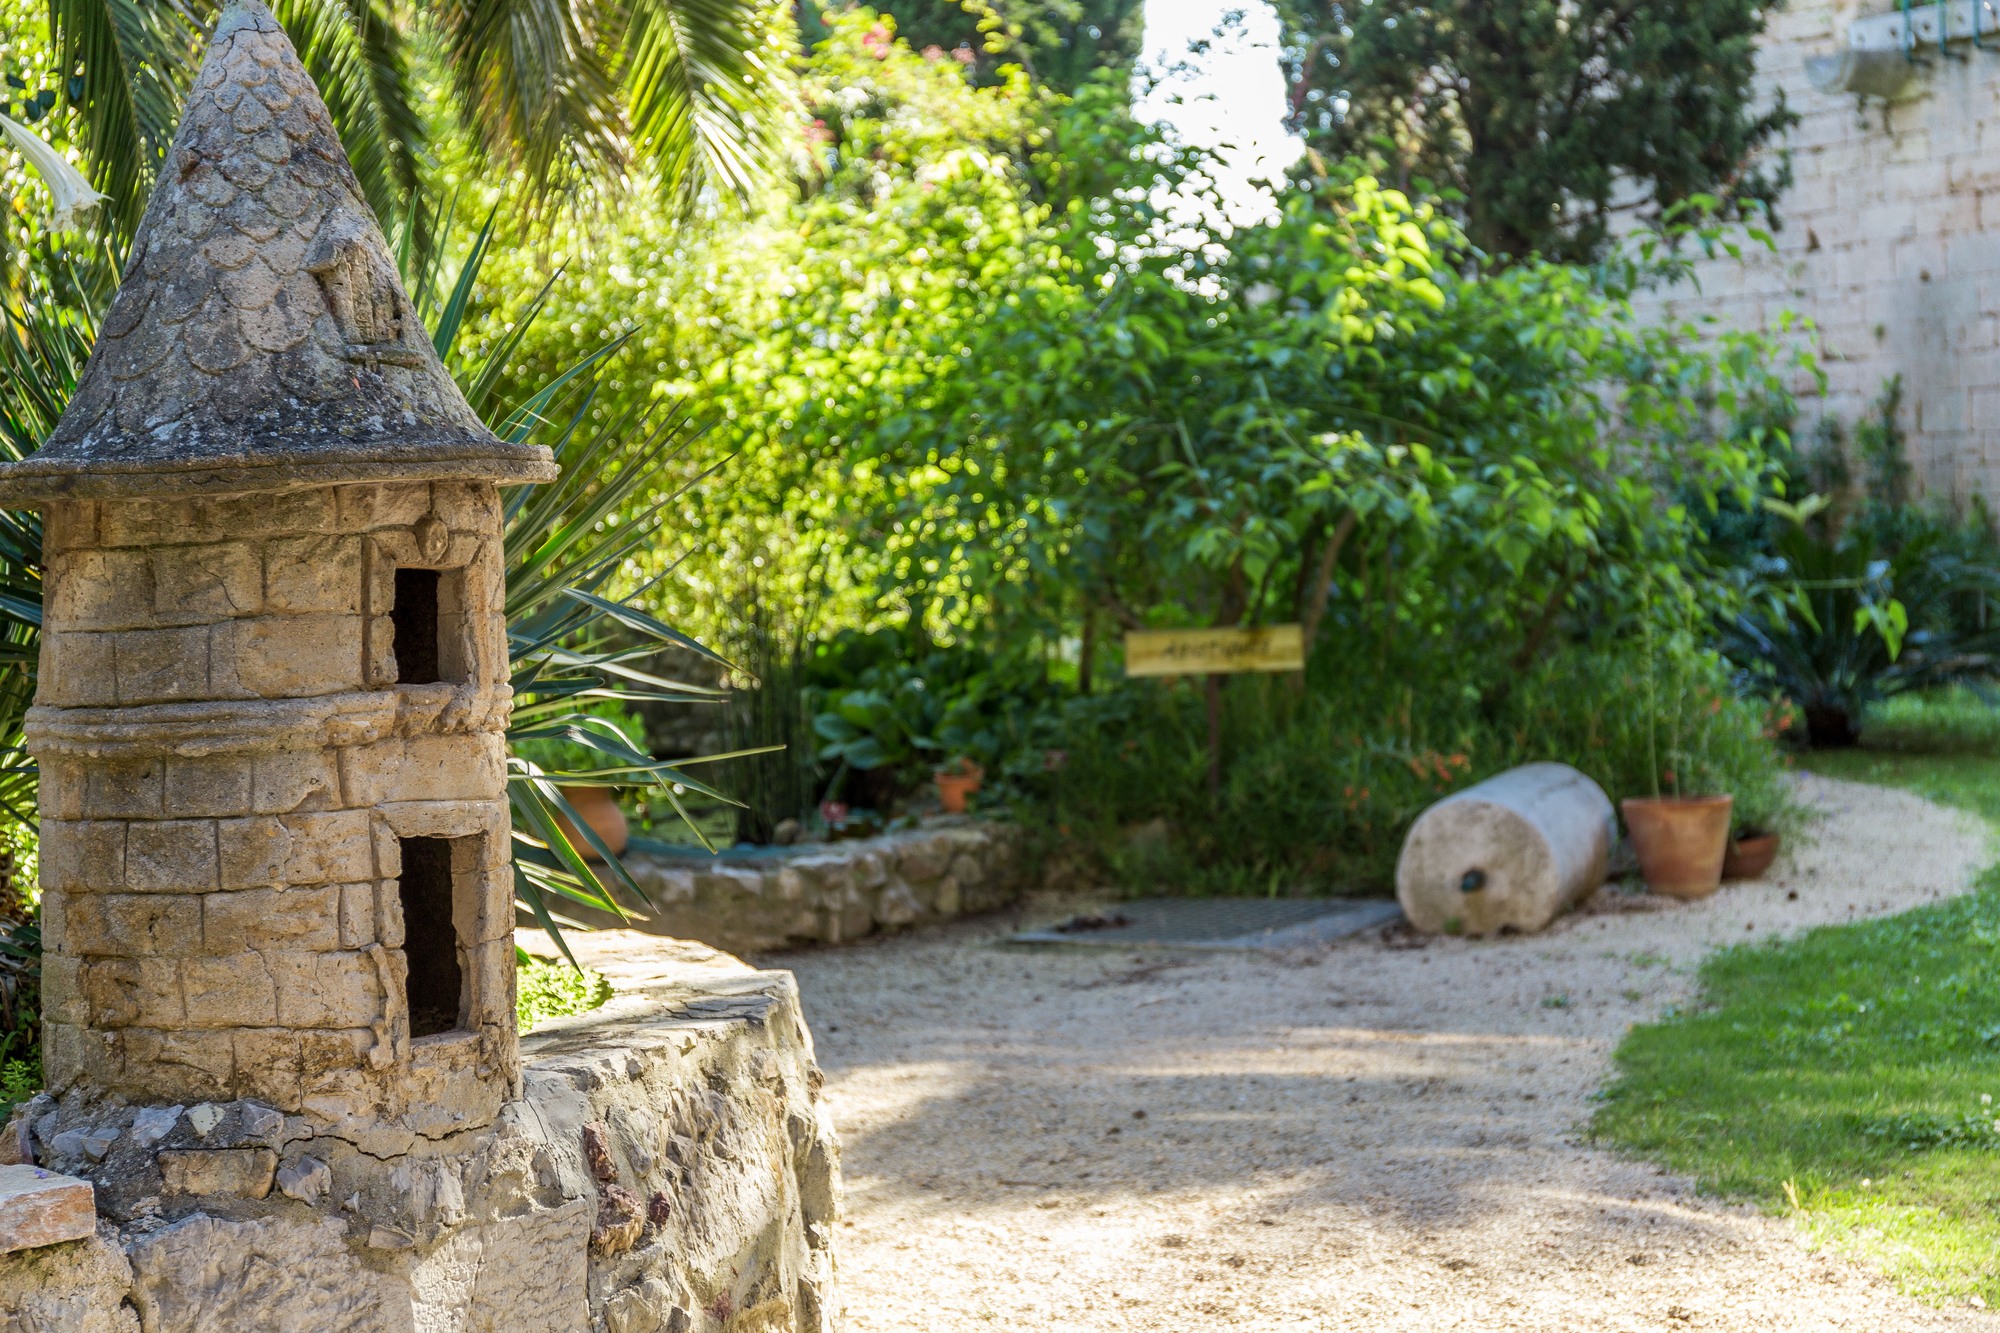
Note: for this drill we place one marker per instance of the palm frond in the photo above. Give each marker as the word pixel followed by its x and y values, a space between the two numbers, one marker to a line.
pixel 137 60
pixel 45 338
pixel 534 84
pixel 707 89
pixel 702 90
pixel 131 63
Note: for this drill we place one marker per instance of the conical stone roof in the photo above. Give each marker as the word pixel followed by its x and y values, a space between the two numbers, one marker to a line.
pixel 261 339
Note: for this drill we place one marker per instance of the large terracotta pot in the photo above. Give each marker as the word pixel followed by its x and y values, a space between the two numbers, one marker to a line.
pixel 599 809
pixel 1750 857
pixel 1681 841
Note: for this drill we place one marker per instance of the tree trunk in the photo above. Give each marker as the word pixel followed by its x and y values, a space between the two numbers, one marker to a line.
pixel 1312 607
pixel 1086 653
pixel 1215 742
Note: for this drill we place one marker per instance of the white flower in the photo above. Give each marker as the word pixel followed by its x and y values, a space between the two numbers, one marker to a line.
pixel 72 192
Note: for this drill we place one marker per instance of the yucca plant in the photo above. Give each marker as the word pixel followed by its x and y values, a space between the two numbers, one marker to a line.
pixel 1843 625
pixel 570 646
pixel 44 342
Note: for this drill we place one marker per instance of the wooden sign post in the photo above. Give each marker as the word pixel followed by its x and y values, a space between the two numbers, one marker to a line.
pixel 1214 653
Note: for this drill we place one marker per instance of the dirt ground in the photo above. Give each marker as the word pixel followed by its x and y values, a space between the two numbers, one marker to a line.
pixel 1359 1137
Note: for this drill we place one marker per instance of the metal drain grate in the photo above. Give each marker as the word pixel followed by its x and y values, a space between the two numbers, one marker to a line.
pixel 1216 923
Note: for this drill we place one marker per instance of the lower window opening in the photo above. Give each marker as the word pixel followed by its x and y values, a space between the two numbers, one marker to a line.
pixel 436 988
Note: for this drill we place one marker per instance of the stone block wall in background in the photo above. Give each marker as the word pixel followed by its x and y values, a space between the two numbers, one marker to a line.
pixel 1889 242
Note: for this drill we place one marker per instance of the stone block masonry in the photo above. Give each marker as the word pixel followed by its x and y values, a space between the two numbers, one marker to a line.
pixel 221 861
pixel 278 969
pixel 1886 242
pixel 40 1207
pixel 274 658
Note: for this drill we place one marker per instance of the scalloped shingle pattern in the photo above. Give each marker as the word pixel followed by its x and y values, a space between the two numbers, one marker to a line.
pixel 260 322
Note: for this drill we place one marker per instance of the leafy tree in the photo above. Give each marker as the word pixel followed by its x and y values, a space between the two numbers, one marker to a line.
pixel 1324 423
pixel 808 331
pixel 969 383
pixel 977 399
pixel 1059 42
pixel 1540 114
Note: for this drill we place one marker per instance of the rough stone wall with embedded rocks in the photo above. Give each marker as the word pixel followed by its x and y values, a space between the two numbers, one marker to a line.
pixel 671 1169
pixel 823 893
pixel 1889 241
pixel 228 765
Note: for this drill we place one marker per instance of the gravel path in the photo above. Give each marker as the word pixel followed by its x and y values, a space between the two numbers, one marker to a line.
pixel 1363 1137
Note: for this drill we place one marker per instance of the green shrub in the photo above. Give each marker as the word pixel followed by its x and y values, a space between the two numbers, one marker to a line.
pixel 1586 708
pixel 19 1080
pixel 1850 622
pixel 883 721
pixel 1321 786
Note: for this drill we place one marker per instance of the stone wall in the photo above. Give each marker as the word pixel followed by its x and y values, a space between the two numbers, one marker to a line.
pixel 823 893
pixel 671 1170
pixel 1889 242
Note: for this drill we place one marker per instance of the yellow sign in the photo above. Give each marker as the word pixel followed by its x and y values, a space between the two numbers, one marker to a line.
pixel 1204 652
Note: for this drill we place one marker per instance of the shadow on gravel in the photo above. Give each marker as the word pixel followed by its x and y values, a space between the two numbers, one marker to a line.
pixel 969 1077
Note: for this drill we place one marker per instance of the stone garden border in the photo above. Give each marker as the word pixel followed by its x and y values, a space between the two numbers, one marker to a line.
pixel 751 899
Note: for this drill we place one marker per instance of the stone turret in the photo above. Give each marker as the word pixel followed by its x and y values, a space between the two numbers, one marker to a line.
pixel 273 682
pixel 286 1089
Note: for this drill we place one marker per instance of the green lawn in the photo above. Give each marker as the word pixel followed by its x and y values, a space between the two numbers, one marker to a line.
pixel 1968 780
pixel 1850 1077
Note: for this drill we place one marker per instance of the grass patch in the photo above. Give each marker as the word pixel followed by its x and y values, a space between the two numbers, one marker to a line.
pixel 1851 1077
pixel 1935 722
pixel 1845 1076
pixel 1969 781
pixel 1942 744
pixel 550 988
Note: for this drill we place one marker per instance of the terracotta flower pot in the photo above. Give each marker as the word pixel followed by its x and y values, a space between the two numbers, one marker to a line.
pixel 1750 857
pixel 1681 841
pixel 598 808
pixel 956 784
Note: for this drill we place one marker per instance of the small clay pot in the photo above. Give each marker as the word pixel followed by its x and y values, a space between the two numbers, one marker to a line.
pixel 598 808
pixel 1681 841
pixel 955 785
pixel 1750 857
